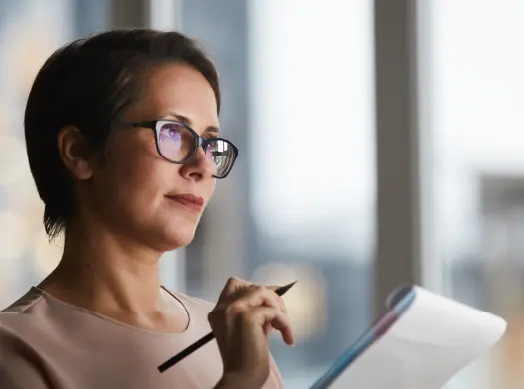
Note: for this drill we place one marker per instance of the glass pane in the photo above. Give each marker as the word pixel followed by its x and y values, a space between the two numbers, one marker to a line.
pixel 29 32
pixel 474 63
pixel 299 204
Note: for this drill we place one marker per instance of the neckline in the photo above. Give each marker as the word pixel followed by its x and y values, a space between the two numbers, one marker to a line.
pixel 50 298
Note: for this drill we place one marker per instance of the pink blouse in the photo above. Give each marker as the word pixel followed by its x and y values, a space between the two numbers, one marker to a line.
pixel 46 343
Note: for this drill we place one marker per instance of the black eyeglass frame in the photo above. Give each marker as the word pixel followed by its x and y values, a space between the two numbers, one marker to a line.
pixel 198 141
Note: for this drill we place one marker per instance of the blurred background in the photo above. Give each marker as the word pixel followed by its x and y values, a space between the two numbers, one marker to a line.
pixel 413 112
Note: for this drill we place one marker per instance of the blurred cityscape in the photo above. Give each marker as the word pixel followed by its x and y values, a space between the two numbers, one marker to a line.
pixel 298 99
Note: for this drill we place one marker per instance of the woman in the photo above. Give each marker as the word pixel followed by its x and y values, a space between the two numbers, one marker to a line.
pixel 124 145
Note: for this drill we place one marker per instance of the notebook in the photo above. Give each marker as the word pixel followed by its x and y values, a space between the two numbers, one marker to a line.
pixel 421 342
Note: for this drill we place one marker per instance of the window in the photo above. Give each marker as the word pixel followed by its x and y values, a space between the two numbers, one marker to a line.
pixel 25 253
pixel 473 67
pixel 297 79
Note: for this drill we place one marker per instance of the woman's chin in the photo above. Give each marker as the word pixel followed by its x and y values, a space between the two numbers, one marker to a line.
pixel 167 235
pixel 179 238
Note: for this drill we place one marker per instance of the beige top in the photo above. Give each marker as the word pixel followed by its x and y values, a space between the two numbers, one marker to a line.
pixel 46 343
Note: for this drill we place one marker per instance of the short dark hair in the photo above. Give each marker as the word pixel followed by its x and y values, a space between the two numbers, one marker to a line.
pixel 88 83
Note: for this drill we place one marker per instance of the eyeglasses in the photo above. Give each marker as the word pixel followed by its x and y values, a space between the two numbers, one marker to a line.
pixel 178 143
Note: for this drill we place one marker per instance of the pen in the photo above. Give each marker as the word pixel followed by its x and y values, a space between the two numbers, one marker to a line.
pixel 205 339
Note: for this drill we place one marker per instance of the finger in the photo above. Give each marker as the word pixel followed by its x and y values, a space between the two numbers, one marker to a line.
pixel 233 285
pixel 283 324
pixel 267 329
pixel 258 295
pixel 274 288
pixel 242 300
pixel 247 299
pixel 278 320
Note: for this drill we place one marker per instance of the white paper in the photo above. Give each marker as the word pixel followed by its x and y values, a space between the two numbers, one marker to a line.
pixel 426 347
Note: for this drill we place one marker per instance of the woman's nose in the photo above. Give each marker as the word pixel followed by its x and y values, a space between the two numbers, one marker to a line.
pixel 199 167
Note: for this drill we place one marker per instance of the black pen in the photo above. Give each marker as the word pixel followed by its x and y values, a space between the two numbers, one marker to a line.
pixel 206 339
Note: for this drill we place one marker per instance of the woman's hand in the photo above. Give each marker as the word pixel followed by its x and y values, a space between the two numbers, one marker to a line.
pixel 242 320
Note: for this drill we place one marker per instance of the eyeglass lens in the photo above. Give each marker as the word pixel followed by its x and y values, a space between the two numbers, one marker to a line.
pixel 177 143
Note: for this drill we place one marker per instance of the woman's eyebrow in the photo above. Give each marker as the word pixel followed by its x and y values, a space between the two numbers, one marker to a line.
pixel 184 120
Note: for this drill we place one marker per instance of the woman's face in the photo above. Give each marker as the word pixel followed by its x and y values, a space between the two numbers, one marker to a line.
pixel 135 190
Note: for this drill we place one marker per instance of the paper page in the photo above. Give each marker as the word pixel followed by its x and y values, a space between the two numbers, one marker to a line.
pixel 427 346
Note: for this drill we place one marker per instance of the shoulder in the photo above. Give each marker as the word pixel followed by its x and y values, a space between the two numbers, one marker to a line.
pixel 18 323
pixel 17 368
pixel 23 304
pixel 22 315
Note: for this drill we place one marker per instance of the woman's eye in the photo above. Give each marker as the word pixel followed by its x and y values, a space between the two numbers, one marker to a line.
pixel 175 134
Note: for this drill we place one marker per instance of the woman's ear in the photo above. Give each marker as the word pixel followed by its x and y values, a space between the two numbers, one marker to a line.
pixel 74 152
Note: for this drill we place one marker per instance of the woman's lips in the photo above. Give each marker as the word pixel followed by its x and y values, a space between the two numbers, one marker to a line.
pixel 194 203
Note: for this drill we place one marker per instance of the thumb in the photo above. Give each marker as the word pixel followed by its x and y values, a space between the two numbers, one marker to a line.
pixel 274 288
